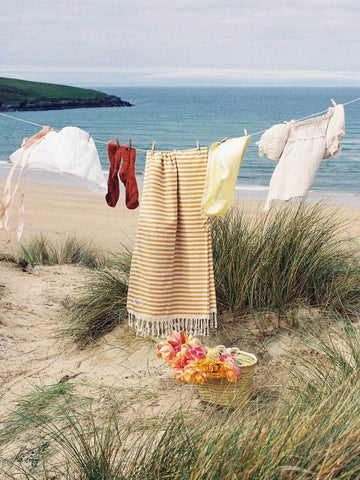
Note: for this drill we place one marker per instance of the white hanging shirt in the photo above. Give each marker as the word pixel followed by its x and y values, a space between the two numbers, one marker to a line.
pixel 300 147
pixel 70 151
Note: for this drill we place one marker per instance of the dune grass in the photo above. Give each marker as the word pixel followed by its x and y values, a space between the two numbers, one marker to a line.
pixel 291 258
pixel 305 433
pixel 102 305
pixel 278 264
pixel 7 257
pixel 337 361
pixel 36 408
pixel 41 251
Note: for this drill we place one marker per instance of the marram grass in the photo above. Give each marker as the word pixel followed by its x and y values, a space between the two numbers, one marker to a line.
pixel 101 306
pixel 36 408
pixel 287 260
pixel 41 251
pixel 315 437
pixel 290 258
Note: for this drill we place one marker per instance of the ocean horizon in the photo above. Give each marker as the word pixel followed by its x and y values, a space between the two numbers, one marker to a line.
pixel 178 117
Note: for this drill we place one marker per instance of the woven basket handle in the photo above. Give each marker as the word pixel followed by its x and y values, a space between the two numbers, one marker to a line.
pixel 233 351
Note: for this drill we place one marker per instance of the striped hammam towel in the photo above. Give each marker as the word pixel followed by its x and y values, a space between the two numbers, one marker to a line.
pixel 171 284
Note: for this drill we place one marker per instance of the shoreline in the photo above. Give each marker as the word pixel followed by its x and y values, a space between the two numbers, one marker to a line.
pixel 243 191
pixel 61 211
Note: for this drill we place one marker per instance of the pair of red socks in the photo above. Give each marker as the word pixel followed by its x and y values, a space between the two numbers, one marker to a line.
pixel 126 173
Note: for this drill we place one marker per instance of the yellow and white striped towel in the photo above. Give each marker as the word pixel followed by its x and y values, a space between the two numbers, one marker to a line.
pixel 171 285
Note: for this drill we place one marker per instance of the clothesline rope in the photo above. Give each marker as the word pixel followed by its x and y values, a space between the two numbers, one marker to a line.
pixel 21 120
pixel 309 116
pixel 145 150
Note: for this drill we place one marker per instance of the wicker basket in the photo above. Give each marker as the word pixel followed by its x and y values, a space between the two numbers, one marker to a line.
pixel 220 391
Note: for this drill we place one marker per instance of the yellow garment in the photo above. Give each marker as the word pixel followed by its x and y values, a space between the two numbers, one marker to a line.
pixel 224 160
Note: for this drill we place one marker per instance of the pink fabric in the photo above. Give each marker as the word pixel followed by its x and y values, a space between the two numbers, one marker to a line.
pixel 8 196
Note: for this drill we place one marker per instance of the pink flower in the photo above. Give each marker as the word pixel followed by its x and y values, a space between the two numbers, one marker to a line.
pixel 165 351
pixel 171 346
pixel 185 354
pixel 194 342
pixel 198 352
pixel 191 363
pixel 176 364
pixel 230 366
pixel 182 357
pixel 232 371
pixel 176 339
pixel 226 357
pixel 177 368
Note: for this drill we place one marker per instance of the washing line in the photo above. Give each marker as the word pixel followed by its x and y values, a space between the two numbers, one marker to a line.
pixel 145 150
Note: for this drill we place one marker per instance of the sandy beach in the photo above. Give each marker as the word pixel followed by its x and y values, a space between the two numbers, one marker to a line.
pixel 32 308
pixel 33 353
pixel 58 210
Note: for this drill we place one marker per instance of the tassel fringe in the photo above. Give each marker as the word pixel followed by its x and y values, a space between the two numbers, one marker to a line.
pixel 196 326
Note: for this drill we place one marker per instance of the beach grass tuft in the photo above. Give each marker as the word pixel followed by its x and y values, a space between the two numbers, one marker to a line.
pixel 36 408
pixel 334 357
pixel 41 251
pixel 102 304
pixel 291 258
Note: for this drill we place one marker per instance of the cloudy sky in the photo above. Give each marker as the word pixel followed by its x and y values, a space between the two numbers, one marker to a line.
pixel 182 42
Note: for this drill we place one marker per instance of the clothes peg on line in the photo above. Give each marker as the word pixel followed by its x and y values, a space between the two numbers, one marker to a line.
pixel 333 102
pixel 130 142
pixel 153 146
pixel 117 142
pixel 198 146
pixel 245 132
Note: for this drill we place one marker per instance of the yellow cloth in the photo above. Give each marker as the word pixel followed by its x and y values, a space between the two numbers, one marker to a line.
pixel 224 161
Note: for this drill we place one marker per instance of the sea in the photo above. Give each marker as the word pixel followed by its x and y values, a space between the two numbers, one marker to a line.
pixel 176 118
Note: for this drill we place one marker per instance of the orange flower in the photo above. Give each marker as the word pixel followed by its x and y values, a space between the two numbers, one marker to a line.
pixel 232 371
pixel 215 366
pixel 191 363
pixel 195 372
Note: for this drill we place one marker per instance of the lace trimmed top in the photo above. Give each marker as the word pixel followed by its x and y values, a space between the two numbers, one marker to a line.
pixel 300 147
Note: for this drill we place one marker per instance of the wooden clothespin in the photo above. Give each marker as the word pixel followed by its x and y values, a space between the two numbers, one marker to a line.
pixel 117 142
pixel 153 146
pixel 198 146
pixel 333 102
pixel 245 132
pixel 130 142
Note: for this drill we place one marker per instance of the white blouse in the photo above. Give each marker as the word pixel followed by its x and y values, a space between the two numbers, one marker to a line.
pixel 300 147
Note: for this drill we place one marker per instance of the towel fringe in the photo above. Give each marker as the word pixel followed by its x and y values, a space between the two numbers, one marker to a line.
pixel 192 325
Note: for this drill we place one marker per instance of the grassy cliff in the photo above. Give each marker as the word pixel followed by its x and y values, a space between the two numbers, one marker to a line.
pixel 25 95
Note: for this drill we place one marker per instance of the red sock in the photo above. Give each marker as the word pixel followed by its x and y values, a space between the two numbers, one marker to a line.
pixel 125 164
pixel 127 176
pixel 113 193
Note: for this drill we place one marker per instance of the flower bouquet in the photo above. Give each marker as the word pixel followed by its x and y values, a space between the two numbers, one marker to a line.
pixel 220 373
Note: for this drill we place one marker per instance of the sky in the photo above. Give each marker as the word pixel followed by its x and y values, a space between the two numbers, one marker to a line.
pixel 182 42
